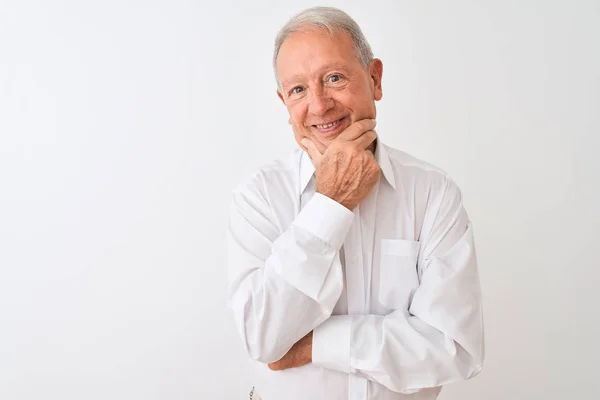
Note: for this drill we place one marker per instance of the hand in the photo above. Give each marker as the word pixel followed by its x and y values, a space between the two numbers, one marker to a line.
pixel 300 354
pixel 346 171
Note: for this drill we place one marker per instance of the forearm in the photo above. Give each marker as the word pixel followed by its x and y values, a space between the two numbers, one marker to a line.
pixel 273 313
pixel 402 353
pixel 278 300
pixel 437 341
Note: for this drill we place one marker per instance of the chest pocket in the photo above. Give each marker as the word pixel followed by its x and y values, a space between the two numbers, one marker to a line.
pixel 398 278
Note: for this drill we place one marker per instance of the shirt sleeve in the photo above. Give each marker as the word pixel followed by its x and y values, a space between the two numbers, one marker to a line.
pixel 283 285
pixel 439 339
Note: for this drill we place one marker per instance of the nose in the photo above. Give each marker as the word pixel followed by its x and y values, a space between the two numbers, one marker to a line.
pixel 319 102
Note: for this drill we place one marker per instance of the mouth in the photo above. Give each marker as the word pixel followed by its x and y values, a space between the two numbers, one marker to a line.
pixel 331 128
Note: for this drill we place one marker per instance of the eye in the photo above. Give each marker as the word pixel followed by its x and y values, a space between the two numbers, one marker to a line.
pixel 335 78
pixel 296 90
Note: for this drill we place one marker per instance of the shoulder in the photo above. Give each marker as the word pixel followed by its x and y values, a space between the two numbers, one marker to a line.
pixel 281 173
pixel 403 160
pixel 418 173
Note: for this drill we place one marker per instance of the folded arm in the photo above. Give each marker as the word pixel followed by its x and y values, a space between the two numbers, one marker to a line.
pixel 283 285
pixel 439 339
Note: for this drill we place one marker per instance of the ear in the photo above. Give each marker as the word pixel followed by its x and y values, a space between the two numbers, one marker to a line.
pixel 376 73
pixel 280 97
pixel 283 101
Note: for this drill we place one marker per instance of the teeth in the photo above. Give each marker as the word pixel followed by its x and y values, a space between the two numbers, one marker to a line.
pixel 327 126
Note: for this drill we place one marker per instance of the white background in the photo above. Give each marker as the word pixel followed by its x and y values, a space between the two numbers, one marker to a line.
pixel 124 126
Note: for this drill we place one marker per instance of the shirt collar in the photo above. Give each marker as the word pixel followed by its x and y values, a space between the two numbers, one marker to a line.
pixel 307 169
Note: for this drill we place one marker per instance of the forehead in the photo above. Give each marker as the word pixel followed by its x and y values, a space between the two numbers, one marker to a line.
pixel 308 52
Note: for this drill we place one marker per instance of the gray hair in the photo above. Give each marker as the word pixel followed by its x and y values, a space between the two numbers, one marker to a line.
pixel 330 19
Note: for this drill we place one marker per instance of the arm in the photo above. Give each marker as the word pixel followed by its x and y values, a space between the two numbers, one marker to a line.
pixel 440 339
pixel 283 285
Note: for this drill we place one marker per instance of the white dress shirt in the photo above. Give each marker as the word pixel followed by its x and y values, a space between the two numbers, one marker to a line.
pixel 390 289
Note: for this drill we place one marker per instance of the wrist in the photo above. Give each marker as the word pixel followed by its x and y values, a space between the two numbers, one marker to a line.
pixel 308 348
pixel 338 199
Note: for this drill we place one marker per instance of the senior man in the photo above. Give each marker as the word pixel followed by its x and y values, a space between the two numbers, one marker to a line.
pixel 352 265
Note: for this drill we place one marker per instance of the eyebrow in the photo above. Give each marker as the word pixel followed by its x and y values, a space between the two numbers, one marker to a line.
pixel 327 67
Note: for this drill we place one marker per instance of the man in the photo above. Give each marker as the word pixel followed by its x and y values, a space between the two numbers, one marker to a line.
pixel 352 266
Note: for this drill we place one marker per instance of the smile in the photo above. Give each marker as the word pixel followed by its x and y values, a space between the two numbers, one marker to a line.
pixel 329 125
pixel 330 129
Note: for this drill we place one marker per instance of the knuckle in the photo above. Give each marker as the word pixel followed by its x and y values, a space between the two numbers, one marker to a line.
pixel 342 156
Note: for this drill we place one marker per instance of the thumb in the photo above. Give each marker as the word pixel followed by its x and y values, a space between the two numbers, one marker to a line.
pixel 312 150
pixel 320 146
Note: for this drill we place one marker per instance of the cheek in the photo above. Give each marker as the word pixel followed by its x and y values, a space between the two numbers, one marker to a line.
pixel 297 122
pixel 347 99
pixel 297 112
pixel 297 119
pixel 362 104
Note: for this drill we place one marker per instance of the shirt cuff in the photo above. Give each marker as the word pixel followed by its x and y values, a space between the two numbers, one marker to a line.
pixel 325 218
pixel 331 343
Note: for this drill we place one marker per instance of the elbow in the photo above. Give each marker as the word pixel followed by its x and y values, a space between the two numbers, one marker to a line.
pixel 258 335
pixel 263 353
pixel 260 343
pixel 475 365
pixel 451 365
pixel 467 352
pixel 476 356
pixel 467 365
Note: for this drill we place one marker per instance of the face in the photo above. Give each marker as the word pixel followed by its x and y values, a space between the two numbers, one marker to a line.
pixel 324 86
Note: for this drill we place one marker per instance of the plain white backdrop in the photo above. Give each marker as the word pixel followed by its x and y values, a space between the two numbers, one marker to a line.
pixel 124 126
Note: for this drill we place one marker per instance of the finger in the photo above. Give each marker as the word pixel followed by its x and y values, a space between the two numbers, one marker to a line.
pixel 302 146
pixel 356 129
pixel 278 365
pixel 366 139
pixel 320 146
pixel 312 150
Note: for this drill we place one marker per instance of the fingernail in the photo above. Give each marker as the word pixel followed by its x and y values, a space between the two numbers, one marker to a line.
pixel 305 142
